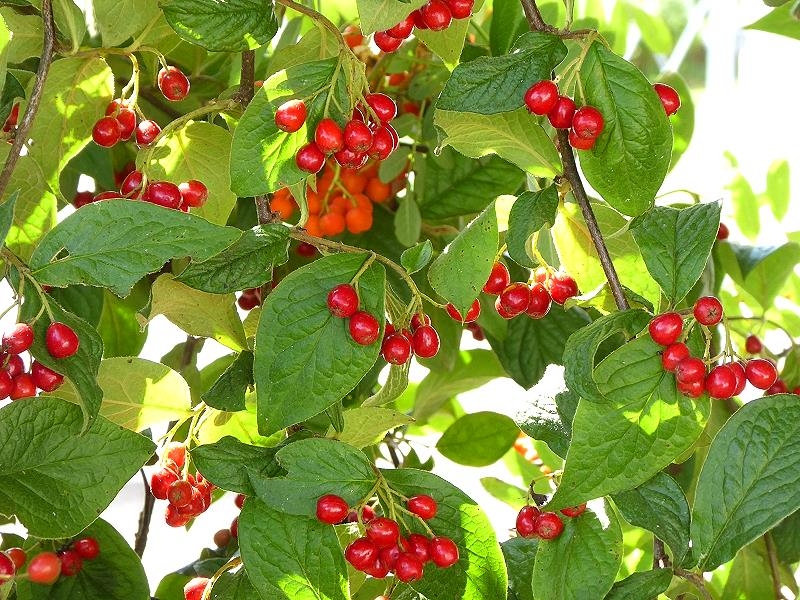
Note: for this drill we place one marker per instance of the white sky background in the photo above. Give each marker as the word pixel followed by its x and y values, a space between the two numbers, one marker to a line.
pixel 741 111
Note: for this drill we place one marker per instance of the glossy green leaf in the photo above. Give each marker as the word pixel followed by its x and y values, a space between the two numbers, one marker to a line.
pixel 514 136
pixel 378 15
pixel 531 211
pixel 417 258
pixel 761 270
pixel 115 243
pixel 118 325
pixel 520 555
pixel 248 263
pixel 646 424
pixel 27 39
pixel 508 23
pixel 644 585
pixel 365 426
pixel 118 20
pixel 55 480
pixel 547 415
pixel 407 221
pixel 512 495
pixel 289 557
pixel 448 43
pixel 478 439
pixel 780 21
pixel 659 505
pixel 7 214
pixel 305 358
pixel 460 271
pixel 631 157
pixel 234 586
pixel 750 574
pixel 5 39
pixel 787 538
pixel 229 26
pixel 779 188
pixel 676 244
pixel 582 562
pixel 750 480
pixel 228 392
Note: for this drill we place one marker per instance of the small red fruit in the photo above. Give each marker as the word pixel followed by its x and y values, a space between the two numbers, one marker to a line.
pixel 173 83
pixel 291 115
pixel 332 509
pixel 526 521
pixel 24 387
pixel 7 567
pixel 403 29
pixel 106 132
pixel 44 568
pixel 723 232
pixel 82 199
pixel 708 310
pixel 418 320
pixel 690 370
pixel 126 118
pixel 779 387
pixel 386 42
pixel 721 382
pixel 473 312
pixel 357 136
pixel 71 563
pixel 343 301
pixel 423 506
pixel 163 193
pixel 425 342
pixel 741 378
pixel 361 553
pixel 195 588
pixel 15 366
pixel 515 298
pixel 383 532
pixel 588 122
pixel 540 302
pixel 444 552
pixel 310 158
pixel 673 355
pixel 383 142
pixel 436 15
pixel 194 193
pixel 349 159
pixel 19 339
pixel 753 345
pixel 417 545
pixel 580 143
pixel 222 538
pixel 396 349
pixel 146 132
pixel 329 136
pixel 670 99
pixel 87 548
pixel 45 379
pixel 364 328
pixel 160 482
pixel 132 184
pixel 383 106
pixel 666 328
pixel 180 493
pixel 461 9
pixel 548 526
pixel 574 511
pixel 174 518
pixel 761 373
pixel 408 568
pixel 561 115
pixel 235 528
pixel 6 385
pixel 562 287
pixel 176 452
pixel 17 555
pixel 692 389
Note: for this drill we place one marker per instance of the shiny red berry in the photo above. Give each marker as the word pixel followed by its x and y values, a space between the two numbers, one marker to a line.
pixel 351 160
pixel 723 232
pixel 673 355
pixel 17 555
pixel 418 320
pixel 23 387
pixel 741 378
pixel 761 373
pixel 526 519
pixel 383 532
pixel 425 342
pixel 541 97
pixel 132 184
pixel 7 567
pixel 473 312
pixel 195 588
pixel 160 482
pixel 417 545
pixel 580 143
pixel 588 122
pixel 779 387
pixel 461 9
pixel 708 310
pixel 291 115
pixel 436 15
pixel 329 136
pixel 163 193
pixel 396 349
pixel 332 509
pixel 126 118
pixel 403 29
pixel 408 568
pixel 87 548
pixel 666 328
pixel 173 84
pixel 562 112
pixel 562 287
pixel 515 298
pixel 106 132
pixel 670 99
pixel 6 385
pixel 174 518
pixel 364 328
pixel 540 302
pixel 753 345
pixel 15 366
pixel 180 493
pixel 45 379
pixel 690 370
pixel 423 506
pixel 44 568
pixel 548 526
pixel 19 339
pixel 383 106
pixel 721 382
pixel 383 143
pixel 310 158
pixel 71 563
pixel 444 552
pixel 146 132
pixel 357 136
pixel 361 553
pixel 193 192
pixel 386 42
pixel 343 301
pixel 574 511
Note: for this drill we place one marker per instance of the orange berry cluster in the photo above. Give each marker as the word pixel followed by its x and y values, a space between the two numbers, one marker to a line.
pixel 188 496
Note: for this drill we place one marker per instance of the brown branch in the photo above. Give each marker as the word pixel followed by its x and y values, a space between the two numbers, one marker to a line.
pixel 36 96
pixel 247 80
pixel 696 581
pixel 534 17
pixel 774 568
pixel 660 558
pixel 145 517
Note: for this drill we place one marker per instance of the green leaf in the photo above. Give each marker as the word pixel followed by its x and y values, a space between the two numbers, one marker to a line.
pixel 460 271
pixel 115 243
pixel 583 561
pixel 531 211
pixel 396 384
pixel 197 313
pixel 378 15
pixel 631 157
pixel 645 585
pixel 448 43
pixel 262 156
pixel 7 214
pixel 512 495
pixel 27 39
pixel 118 325
pixel 289 557
pixel 745 206
pixel 491 85
pixel 229 26
pixel 676 244
pixel 316 467
pixel 780 21
pixel 478 439
pixel 659 505
pixel 456 185
pixel 417 258
pixel 646 424
pixel 508 23
pixel 201 151
pixel 5 39
pixel 762 270
pixel 548 415
pixel 480 573
pixel 407 221
pixel 55 480
pixel 655 32
pixel 750 480
pixel 365 426
pixel 527 346
pixel 248 263
pixel 750 574
pixel 305 358
pixel 582 346
pixel 514 136
pixel 228 392
pixel 116 574
pixel 787 538
pixel 520 555
pixel 779 188
pixel 118 20
pixel 234 586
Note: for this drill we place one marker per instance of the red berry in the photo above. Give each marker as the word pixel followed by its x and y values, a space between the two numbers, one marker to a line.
pixel 126 119
pixel 540 302
pixel 417 545
pixel 357 136
pixel 24 387
pixel 146 132
pixel 408 568
pixel 562 287
pixel 419 22
pixel 515 298
pixel 7 567
pixel 436 15
pixel 291 115
pixel 329 136
pixel 13 117
pixel 332 509
pixel 193 192
pixel 723 232
pixel 87 548
pixel 132 184
pixel 498 306
pixel 383 142
pixel 173 83
pixel 160 482
pixel 195 588
pixel 195 506
pixel 461 9
pixel 444 552
pixel 163 193
pixel 666 328
pixel 389 556
pixel 361 553
pixel 15 366
pixel 367 514
pixel 174 518
pixel 310 158
pixel 588 122
pixel 82 199
pixel 107 196
pixel 761 373
pixel 222 538
pixel 176 452
pixel 670 99
pixel 425 342
pixel 580 143
pixel 383 106
pixel 19 339
pixel 542 275
pixel 692 389
pixel 239 500
pixel 423 506
pixel 396 349
pixel 349 159
pixel 6 385
pixel 71 562
pixel 306 250
pixel 106 132
pixel 473 312
pixel 418 320
pixel 561 114
pixel 690 370
pixel 741 378
pixel 753 345
pixel 180 493
pixel 235 528
pixel 548 526
pixel 526 520
pixel 673 355
pixel 343 301
pixel 721 382
pixel 574 511
pixel 44 568
pixel 364 328
pixel 45 379
pixel 379 569
pixel 403 29
pixel 386 42
pixel 779 387
pixel 383 532
pixel 708 310
pixel 17 555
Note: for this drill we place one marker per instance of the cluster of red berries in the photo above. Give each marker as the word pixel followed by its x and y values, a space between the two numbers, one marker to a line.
pixel 362 138
pixel 184 196
pixel 188 496
pixel 753 345
pixel 343 303
pixel 585 124
pixel 534 300
pixel 691 373
pixel 422 340
pixel 383 550
pixel 46 567
pixel 436 15
pixel 532 522
pixel 61 342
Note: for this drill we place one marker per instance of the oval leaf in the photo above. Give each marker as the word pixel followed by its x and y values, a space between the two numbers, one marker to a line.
pixel 478 439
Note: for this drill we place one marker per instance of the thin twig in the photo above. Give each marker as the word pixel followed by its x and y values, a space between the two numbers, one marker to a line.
pixel 534 16
pixel 247 80
pixel 36 96
pixel 696 581
pixel 774 568
pixel 145 517
pixel 660 558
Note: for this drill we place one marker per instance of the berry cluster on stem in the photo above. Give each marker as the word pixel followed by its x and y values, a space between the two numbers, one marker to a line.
pixel 188 495
pixel 436 15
